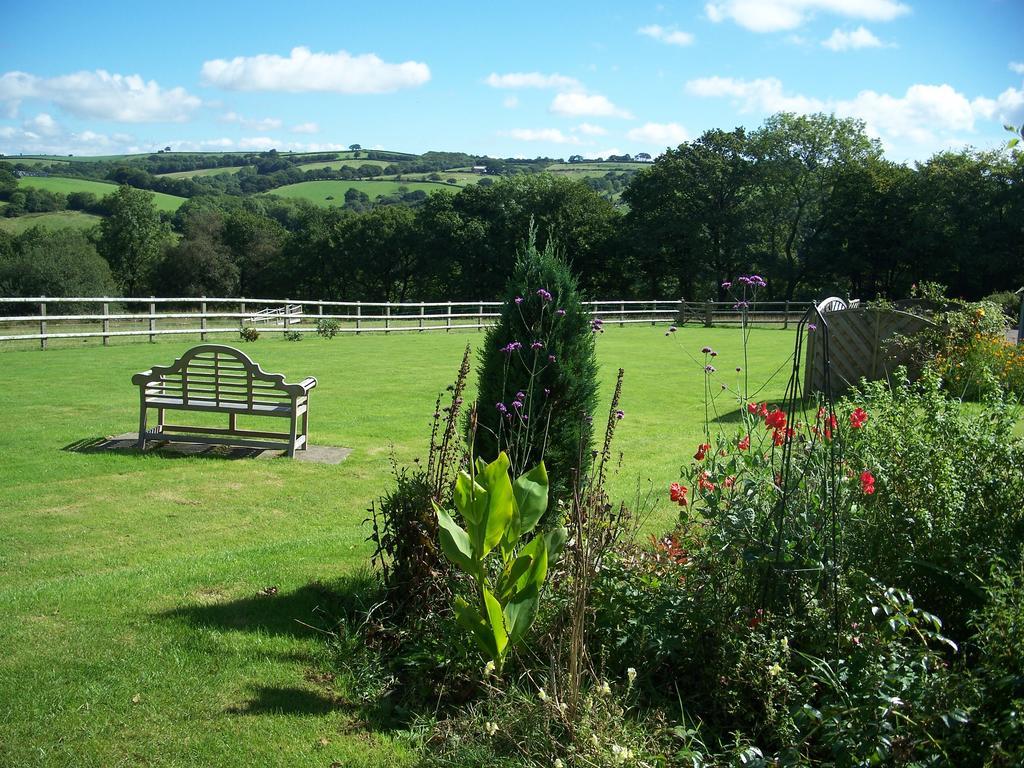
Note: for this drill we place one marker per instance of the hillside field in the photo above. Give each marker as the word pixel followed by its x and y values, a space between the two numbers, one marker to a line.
pixel 201 172
pixel 53 220
pixel 168 203
pixel 318 191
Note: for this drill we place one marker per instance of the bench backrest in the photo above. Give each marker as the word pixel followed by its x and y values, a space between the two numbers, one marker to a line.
pixel 218 373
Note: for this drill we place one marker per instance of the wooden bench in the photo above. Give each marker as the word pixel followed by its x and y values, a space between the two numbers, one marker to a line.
pixel 213 378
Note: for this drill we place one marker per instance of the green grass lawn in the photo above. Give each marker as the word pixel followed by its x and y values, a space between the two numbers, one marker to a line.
pixel 318 191
pixel 98 188
pixel 54 220
pixel 133 631
pixel 346 162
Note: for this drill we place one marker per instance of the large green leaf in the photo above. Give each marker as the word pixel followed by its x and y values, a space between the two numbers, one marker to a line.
pixel 471 500
pixel 537 549
pixel 455 543
pixel 497 620
pixel 531 493
pixel 499 501
pixel 511 575
pixel 521 612
pixel 470 618
pixel 555 540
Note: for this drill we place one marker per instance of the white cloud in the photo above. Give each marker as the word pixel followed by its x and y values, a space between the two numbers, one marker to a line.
pixel 861 37
pixel 510 102
pixel 552 135
pixel 922 120
pixel 533 80
pixel 100 95
pixel 1017 66
pixel 659 133
pixel 261 125
pixel 667 36
pixel 586 105
pixel 760 95
pixel 43 124
pixel 778 15
pixel 590 130
pixel 302 70
pixel 305 128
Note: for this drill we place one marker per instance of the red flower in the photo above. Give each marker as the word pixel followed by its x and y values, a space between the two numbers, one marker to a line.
pixel 776 419
pixel 867 482
pixel 729 482
pixel 752 408
pixel 744 443
pixel 677 493
pixel 704 483
pixel 858 418
pixel 702 450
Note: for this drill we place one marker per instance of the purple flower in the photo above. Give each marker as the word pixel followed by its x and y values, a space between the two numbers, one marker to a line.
pixel 520 395
pixel 596 324
pixel 511 347
pixel 560 312
pixel 727 285
pixel 517 403
pixel 537 345
pixel 812 327
pixel 546 392
pixel 501 407
pixel 551 358
pixel 544 295
pixel 620 415
pixel 458 401
pixel 519 299
pixel 709 369
pixel 672 329
pixel 713 353
pixel 741 305
pixel 705 350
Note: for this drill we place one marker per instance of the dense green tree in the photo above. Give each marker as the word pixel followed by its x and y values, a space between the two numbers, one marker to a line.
pixel 200 263
pixel 132 238
pixel 62 262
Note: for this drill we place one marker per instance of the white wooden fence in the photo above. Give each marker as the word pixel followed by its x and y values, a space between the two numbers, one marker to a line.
pixel 35 318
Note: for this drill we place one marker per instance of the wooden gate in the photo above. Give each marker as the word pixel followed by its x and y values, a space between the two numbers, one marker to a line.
pixel 857 346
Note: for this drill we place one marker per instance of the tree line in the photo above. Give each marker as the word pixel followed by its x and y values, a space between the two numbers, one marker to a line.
pixel 808 201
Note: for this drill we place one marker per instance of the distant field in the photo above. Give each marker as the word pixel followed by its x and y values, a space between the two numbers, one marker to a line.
pixel 344 162
pixel 202 172
pixel 54 220
pixel 318 191
pixel 98 188
pixel 603 167
pixel 31 161
pixel 461 179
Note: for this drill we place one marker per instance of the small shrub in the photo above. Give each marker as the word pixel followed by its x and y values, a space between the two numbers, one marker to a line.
pixel 293 335
pixel 249 334
pixel 328 328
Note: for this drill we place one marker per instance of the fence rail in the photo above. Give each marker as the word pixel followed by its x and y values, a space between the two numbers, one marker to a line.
pixel 38 318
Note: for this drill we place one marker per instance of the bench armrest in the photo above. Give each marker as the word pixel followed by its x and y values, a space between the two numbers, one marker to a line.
pixel 142 378
pixel 308 383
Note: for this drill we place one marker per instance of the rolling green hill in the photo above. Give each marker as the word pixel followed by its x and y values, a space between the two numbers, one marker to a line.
pixel 54 220
pixel 318 191
pixel 201 172
pixel 99 188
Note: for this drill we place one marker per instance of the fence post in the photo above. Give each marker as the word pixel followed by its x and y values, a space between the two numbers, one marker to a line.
pixel 387 318
pixel 785 321
pixel 707 314
pixel 622 314
pixel 480 319
pixel 202 319
pixel 42 325
pixel 448 319
pixel 1020 324
pixel 359 314
pixel 421 317
pixel 106 324
pixel 654 311
pixel 241 310
pixel 152 319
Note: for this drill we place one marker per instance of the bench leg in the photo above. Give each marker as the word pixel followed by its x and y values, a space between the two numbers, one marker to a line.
pixel 142 426
pixel 160 420
pixel 305 427
pixel 291 435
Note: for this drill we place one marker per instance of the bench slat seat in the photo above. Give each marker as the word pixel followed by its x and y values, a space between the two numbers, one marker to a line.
pixel 214 378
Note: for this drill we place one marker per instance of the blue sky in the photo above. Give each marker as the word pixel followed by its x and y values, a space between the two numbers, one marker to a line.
pixel 524 79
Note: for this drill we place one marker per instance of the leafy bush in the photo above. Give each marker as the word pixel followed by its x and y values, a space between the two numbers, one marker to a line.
pixel 249 334
pixel 537 377
pixel 293 335
pixel 328 328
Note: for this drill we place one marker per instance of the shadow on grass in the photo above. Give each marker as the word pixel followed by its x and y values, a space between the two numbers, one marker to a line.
pixel 728 417
pixel 268 700
pixel 126 447
pixel 312 607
